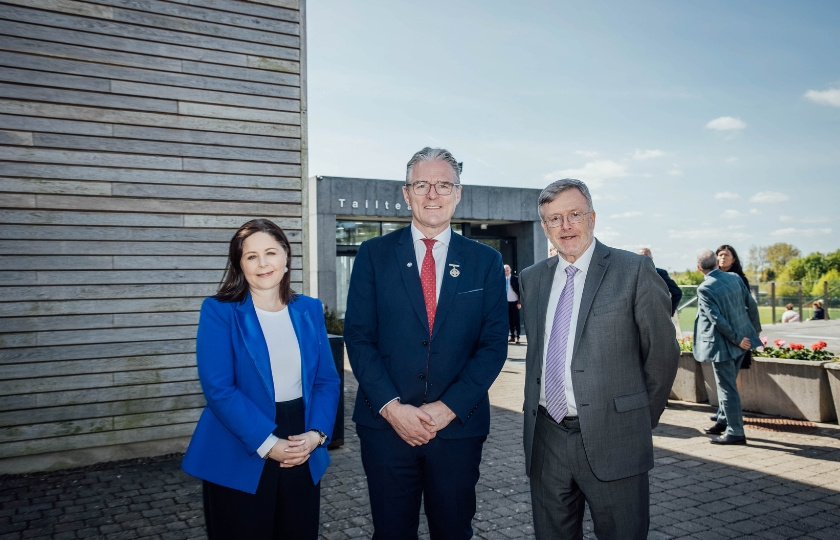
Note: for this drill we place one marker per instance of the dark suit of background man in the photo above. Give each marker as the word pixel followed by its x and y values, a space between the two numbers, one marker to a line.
pixel 425 330
pixel 723 330
pixel 601 359
pixel 673 288
pixel 512 292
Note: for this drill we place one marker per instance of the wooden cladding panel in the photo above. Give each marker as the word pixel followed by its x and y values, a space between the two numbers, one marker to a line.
pixel 135 137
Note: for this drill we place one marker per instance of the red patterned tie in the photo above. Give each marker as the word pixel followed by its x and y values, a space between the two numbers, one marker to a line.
pixel 428 278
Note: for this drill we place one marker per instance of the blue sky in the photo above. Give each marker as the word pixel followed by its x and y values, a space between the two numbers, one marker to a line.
pixel 694 123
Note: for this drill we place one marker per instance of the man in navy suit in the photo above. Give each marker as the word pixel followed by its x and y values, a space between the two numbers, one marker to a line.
pixel 673 289
pixel 425 328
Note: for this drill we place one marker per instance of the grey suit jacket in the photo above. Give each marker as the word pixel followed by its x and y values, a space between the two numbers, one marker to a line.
pixel 726 314
pixel 624 361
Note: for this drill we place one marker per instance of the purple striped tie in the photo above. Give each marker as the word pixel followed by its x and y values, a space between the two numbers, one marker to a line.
pixel 555 357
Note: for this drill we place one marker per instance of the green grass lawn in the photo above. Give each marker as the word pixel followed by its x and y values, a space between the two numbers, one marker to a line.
pixel 687 315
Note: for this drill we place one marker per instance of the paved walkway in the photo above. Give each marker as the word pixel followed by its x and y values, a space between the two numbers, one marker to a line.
pixel 784 484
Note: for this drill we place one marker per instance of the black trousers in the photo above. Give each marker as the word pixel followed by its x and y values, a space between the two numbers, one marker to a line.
pixel 286 505
pixel 513 319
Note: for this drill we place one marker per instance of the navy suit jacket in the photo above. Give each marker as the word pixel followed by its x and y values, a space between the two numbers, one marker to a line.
pixel 235 373
pixel 673 288
pixel 387 332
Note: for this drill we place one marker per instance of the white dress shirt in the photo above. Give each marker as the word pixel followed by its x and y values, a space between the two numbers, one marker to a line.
pixel 439 251
pixel 557 286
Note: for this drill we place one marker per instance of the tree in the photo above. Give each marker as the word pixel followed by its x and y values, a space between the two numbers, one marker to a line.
pixel 831 275
pixel 779 254
pixel 689 277
pixel 757 263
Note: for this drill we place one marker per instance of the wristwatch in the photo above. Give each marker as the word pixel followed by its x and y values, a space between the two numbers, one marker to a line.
pixel 322 436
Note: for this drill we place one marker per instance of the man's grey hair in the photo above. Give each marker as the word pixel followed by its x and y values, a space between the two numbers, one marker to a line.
pixel 706 260
pixel 554 189
pixel 434 154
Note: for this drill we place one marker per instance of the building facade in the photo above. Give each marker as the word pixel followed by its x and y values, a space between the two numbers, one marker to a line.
pixel 343 212
pixel 135 137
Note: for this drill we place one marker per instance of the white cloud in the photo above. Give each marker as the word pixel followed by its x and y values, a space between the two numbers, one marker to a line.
pixel 726 123
pixel 731 159
pixel 799 233
pixel 755 211
pixel 586 153
pixel 675 170
pixel 643 155
pixel 594 172
pixel 765 197
pixel 607 234
pixel 726 195
pixel 824 97
pixel 806 219
pixel 730 214
pixel 707 233
pixel 632 213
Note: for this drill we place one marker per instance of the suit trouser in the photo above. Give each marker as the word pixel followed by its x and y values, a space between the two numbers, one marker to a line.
pixel 513 319
pixel 726 376
pixel 286 505
pixel 443 472
pixel 561 480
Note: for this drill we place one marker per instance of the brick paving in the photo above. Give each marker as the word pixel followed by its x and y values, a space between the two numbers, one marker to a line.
pixel 784 484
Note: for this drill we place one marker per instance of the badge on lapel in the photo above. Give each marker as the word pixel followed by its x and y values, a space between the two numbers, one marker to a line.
pixel 454 272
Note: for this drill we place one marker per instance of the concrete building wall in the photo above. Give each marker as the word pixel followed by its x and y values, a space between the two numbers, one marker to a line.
pixel 135 137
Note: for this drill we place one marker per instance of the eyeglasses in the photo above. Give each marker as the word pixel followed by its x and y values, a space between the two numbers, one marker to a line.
pixel 441 188
pixel 557 221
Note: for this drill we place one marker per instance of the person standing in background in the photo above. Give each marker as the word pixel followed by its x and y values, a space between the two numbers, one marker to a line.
pixel 725 326
pixel 512 290
pixel 673 288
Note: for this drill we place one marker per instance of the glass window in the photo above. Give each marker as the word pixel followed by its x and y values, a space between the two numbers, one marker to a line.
pixel 391 227
pixel 353 233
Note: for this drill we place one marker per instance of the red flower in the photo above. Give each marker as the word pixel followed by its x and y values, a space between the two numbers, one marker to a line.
pixel 818 346
pixel 797 346
pixel 779 343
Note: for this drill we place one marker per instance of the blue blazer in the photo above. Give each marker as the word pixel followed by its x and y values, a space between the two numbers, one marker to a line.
pixel 726 314
pixel 235 373
pixel 387 332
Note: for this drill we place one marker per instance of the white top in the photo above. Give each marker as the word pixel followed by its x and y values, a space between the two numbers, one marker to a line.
pixel 511 294
pixel 439 251
pixel 582 264
pixel 790 316
pixel 284 354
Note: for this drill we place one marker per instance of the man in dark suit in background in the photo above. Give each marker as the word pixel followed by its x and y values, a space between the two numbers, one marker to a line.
pixel 512 291
pixel 425 329
pixel 601 359
pixel 673 288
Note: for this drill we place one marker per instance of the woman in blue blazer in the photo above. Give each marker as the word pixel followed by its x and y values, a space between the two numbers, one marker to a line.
pixel 272 392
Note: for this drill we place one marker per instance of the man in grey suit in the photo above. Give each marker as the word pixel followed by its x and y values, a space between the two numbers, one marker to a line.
pixel 723 330
pixel 601 359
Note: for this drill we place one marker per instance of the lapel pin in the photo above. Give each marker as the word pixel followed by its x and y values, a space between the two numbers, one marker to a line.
pixel 409 265
pixel 454 272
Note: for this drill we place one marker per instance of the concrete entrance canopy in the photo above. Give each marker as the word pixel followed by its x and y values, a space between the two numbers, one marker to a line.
pixel 503 217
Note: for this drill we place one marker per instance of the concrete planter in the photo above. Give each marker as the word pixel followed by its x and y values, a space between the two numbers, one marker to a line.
pixel 832 369
pixel 689 385
pixel 790 388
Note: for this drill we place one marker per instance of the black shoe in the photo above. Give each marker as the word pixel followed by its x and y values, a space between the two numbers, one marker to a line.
pixel 716 429
pixel 729 439
pixel 713 418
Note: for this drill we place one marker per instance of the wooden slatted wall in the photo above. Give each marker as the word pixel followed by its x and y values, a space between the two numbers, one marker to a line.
pixel 135 137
